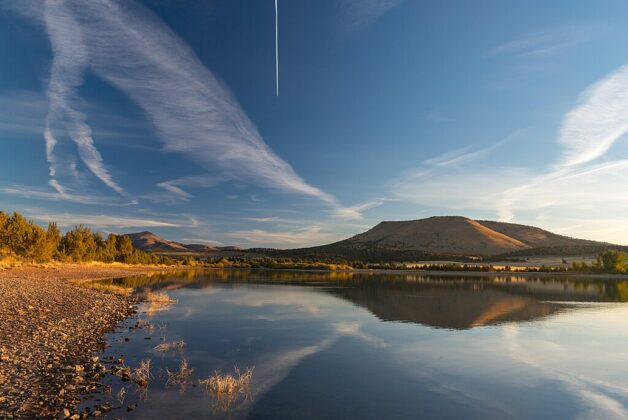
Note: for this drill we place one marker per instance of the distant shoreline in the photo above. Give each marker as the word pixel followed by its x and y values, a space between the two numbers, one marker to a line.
pixel 593 276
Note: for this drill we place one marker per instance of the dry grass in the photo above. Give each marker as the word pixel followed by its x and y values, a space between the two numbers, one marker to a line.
pixel 180 378
pixel 228 384
pixel 158 297
pixel 178 345
pixel 10 262
pixel 229 390
pixel 141 375
pixel 144 323
pixel 121 395
pixel 157 301
pixel 106 287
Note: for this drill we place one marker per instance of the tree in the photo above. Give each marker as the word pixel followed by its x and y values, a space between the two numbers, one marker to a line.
pixel 124 248
pixel 52 240
pixel 35 247
pixel 16 234
pixel 107 250
pixel 612 261
pixel 79 244
pixel 3 223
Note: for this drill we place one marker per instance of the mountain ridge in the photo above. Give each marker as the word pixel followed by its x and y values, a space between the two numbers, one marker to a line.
pixel 450 237
pixel 150 242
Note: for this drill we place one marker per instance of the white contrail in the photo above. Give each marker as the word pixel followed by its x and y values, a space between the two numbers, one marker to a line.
pixel 276 48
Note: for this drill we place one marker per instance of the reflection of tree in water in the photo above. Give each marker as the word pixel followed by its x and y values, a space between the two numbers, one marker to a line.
pixel 614 291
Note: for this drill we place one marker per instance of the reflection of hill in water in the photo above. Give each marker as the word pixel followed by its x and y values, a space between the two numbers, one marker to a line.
pixel 455 302
pixel 455 308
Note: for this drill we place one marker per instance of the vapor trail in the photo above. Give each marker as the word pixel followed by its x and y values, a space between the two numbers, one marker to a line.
pixel 276 48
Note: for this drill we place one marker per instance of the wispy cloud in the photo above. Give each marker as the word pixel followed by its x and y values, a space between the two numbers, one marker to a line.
pixel 308 236
pixel 66 219
pixel 355 212
pixel 589 130
pixel 62 194
pixel 468 153
pixel 173 191
pixel 192 111
pixel 66 76
pixel 263 219
pixel 543 43
pixel 438 117
pixel 357 15
pixel 208 242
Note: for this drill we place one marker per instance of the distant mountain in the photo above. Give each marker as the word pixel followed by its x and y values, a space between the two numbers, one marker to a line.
pixel 435 238
pixel 447 237
pixel 149 242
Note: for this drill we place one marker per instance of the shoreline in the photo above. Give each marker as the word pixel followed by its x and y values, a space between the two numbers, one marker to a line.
pixel 52 328
pixel 450 273
pixel 51 332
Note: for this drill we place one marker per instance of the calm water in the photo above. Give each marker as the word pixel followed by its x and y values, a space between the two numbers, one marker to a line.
pixel 367 346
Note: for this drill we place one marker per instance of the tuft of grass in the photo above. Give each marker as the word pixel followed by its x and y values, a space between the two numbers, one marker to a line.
pixel 170 346
pixel 121 395
pixel 157 301
pixel 228 384
pixel 105 287
pixel 158 297
pixel 7 262
pixel 229 391
pixel 180 378
pixel 141 375
pixel 144 323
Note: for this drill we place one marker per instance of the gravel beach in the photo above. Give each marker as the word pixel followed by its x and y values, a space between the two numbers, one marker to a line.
pixel 51 331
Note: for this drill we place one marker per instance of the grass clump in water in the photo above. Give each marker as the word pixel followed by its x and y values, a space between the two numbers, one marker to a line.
pixel 121 395
pixel 141 375
pixel 180 378
pixel 178 345
pixel 228 384
pixel 157 301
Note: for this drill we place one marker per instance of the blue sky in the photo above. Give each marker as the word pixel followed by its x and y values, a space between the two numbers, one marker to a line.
pixel 163 115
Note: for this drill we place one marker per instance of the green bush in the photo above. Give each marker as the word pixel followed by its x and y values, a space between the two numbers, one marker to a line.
pixel 24 239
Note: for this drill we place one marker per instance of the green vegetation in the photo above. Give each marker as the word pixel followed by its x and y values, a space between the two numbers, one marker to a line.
pixel 23 239
pixel 277 263
pixel 610 261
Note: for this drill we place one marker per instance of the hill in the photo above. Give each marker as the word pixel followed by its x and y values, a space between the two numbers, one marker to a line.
pixel 149 242
pixel 448 237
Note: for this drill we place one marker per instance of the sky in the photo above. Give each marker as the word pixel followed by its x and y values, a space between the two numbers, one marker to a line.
pixel 182 117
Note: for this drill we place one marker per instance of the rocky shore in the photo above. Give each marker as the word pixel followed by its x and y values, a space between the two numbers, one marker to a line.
pixel 51 331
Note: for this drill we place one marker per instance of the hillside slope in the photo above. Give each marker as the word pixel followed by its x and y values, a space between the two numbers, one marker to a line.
pixel 535 237
pixel 149 242
pixel 438 235
pixel 447 237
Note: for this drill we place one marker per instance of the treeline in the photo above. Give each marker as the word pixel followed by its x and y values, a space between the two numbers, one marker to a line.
pixel 26 240
pixel 610 261
pixel 273 263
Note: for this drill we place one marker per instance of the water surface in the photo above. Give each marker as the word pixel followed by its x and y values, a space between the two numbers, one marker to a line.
pixel 374 346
